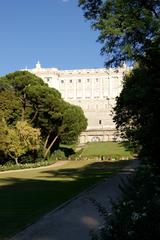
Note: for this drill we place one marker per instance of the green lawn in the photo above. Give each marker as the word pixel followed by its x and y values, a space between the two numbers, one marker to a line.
pixel 112 149
pixel 27 195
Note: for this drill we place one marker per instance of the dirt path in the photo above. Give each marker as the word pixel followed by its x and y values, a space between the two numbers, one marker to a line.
pixel 74 219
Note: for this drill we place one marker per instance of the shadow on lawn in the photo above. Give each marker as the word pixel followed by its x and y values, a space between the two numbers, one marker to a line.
pixel 96 170
pixel 23 201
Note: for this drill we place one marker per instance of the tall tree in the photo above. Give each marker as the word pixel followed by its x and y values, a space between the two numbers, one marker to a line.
pixel 127 28
pixel 137 112
pixel 47 112
pixel 44 108
pixel 130 30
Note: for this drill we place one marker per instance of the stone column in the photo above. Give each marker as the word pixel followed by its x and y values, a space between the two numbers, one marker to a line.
pixel 101 90
pixel 83 87
pixel 92 86
pixel 75 86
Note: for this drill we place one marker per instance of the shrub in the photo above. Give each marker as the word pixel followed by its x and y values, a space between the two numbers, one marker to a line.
pixel 137 214
pixel 58 155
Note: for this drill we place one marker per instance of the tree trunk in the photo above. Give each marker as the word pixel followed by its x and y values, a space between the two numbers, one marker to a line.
pixel 16 160
pixel 45 144
pixel 47 150
pixel 34 117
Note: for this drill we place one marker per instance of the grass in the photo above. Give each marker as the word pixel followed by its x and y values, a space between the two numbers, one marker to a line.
pixel 27 195
pixel 112 149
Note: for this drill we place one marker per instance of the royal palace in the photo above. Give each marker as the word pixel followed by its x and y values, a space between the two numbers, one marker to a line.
pixel 94 90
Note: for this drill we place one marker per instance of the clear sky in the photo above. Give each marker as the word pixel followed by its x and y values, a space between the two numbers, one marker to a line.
pixel 51 31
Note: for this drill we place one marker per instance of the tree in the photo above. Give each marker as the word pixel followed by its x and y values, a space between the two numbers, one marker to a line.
pixel 130 30
pixel 42 107
pixel 47 113
pixel 74 122
pixel 138 106
pixel 127 28
pixel 20 139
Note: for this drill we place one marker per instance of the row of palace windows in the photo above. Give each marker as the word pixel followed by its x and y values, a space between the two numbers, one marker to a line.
pixel 87 80
pixel 79 80
pixel 48 79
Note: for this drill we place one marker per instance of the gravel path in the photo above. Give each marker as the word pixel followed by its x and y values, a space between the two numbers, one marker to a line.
pixel 74 219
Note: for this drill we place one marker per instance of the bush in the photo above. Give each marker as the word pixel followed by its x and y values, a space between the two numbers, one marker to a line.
pixel 58 155
pixel 10 165
pixel 137 214
pixel 31 157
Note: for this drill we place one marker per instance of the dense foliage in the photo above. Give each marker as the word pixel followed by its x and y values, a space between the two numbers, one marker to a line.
pixel 19 140
pixel 137 214
pixel 137 112
pixel 26 99
pixel 127 28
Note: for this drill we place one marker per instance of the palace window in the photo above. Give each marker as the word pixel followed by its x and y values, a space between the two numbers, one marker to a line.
pixel 48 79
pixel 100 122
pixel 62 81
pixel 70 81
pixel 79 80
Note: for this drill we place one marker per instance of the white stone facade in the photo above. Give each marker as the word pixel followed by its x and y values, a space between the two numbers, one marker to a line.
pixel 94 90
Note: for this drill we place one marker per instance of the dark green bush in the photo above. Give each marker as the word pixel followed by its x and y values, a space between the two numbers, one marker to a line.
pixel 137 215
pixel 58 155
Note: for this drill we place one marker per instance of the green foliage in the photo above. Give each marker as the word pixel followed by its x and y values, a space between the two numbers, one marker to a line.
pixel 137 110
pixel 5 84
pixel 127 28
pixel 20 80
pixel 10 107
pixel 14 88
pixel 26 97
pixel 3 138
pixel 21 139
pixel 74 122
pixel 58 155
pixel 137 214
pixel 46 112
pixel 25 164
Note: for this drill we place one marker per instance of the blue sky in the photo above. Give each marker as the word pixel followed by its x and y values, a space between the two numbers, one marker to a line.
pixel 51 31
